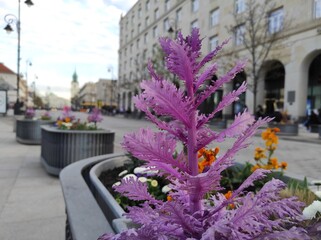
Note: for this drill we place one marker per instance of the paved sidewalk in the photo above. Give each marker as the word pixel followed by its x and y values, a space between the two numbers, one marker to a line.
pixel 31 201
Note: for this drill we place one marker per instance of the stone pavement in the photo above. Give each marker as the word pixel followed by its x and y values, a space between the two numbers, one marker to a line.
pixel 31 201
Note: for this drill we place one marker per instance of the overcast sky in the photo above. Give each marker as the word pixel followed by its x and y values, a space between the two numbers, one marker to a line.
pixel 60 36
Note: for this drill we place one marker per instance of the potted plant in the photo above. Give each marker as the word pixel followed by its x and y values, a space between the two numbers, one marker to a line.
pixel 196 207
pixel 28 129
pixel 72 140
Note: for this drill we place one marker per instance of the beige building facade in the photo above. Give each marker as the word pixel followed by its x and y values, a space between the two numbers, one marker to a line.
pixel 289 78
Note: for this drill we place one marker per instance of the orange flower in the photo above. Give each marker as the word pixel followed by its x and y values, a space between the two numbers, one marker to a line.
pixel 169 198
pixel 228 195
pixel 67 119
pixel 257 166
pixel 207 156
pixel 283 165
pixel 274 162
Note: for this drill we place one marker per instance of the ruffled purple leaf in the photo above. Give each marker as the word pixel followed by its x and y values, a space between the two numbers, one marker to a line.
pixel 165 99
pixel 211 55
pixel 219 83
pixel 206 75
pixel 241 122
pixel 153 148
pixel 135 190
pixel 228 99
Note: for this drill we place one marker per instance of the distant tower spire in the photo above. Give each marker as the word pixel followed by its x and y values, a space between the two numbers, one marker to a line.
pixel 74 85
pixel 75 77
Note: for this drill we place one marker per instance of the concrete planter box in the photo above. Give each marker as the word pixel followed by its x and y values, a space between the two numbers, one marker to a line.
pixel 60 148
pixel 85 219
pixel 286 129
pixel 91 210
pixel 28 131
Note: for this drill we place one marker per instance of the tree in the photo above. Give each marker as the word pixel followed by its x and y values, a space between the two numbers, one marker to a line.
pixel 252 30
pixel 38 102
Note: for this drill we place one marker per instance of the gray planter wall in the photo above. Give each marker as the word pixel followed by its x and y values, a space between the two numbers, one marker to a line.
pixel 286 129
pixel 28 131
pixel 60 148
pixel 85 219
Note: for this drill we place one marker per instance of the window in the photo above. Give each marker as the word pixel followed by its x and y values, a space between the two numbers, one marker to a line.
pixel 156 14
pixel 167 5
pixel 194 24
pixel 239 34
pixel 130 62
pixel 155 32
pixel 125 52
pixel 131 48
pixel 146 21
pixel 214 17
pixel 133 18
pixel 213 43
pixel 166 25
pixel 147 6
pixel 137 43
pixel 195 5
pixel 139 12
pixel 179 15
pixel 139 27
pixel 145 37
pixel 132 33
pixel 240 6
pixel 317 8
pixel 276 20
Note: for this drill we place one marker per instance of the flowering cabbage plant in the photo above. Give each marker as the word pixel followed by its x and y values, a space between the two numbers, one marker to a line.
pixel 30 113
pixel 46 116
pixel 95 117
pixel 196 209
pixel 69 122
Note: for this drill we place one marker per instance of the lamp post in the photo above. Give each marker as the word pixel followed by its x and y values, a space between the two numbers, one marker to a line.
pixel 111 70
pixel 12 19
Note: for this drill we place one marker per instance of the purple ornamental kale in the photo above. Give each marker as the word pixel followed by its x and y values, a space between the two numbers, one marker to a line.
pixel 95 116
pixel 30 113
pixel 67 113
pixel 191 214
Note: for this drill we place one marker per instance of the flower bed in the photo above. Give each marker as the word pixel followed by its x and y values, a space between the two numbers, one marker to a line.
pixel 60 148
pixel 73 140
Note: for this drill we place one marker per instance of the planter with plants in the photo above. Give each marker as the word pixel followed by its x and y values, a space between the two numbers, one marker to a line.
pixel 28 129
pixel 198 205
pixel 286 126
pixel 72 140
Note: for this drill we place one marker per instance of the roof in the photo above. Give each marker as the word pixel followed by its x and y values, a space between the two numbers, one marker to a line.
pixel 4 69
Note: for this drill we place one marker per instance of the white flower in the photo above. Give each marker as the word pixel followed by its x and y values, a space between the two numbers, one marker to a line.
pixel 145 170
pixel 91 124
pixel 166 189
pixel 67 125
pixel 140 170
pixel 116 184
pixel 142 179
pixel 122 173
pixel 128 176
pixel 310 211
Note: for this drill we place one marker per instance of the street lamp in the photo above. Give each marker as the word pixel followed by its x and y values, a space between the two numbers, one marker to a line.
pixel 12 19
